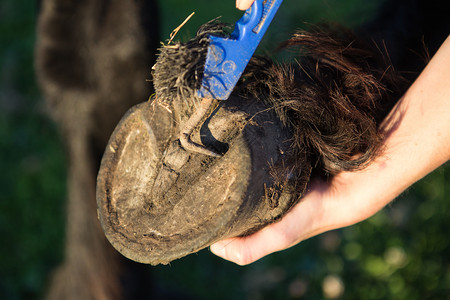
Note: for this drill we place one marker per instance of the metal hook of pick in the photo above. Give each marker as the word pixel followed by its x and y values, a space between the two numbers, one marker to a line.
pixel 191 124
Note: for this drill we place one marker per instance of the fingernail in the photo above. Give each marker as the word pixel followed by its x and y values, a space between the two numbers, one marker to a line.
pixel 218 249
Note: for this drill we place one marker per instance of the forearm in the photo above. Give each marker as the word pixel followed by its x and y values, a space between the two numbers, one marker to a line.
pixel 417 141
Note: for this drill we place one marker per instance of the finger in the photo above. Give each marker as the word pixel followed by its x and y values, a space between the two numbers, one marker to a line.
pixel 301 222
pixel 244 4
pixel 245 250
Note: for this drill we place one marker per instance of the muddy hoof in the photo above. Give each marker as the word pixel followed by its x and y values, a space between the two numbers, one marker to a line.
pixel 158 202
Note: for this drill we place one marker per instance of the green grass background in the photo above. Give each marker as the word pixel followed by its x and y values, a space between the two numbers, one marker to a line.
pixel 400 253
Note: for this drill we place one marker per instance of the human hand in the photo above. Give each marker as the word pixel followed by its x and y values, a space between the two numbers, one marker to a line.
pixel 326 206
pixel 244 4
pixel 417 141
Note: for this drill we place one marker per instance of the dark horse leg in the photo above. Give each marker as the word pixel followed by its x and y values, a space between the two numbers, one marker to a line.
pixel 92 62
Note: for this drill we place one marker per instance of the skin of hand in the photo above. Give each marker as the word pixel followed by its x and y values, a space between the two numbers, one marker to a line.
pixel 244 4
pixel 417 141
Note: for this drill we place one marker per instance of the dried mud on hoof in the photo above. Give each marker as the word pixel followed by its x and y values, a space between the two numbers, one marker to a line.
pixel 158 202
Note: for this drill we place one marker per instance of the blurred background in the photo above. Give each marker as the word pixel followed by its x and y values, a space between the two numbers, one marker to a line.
pixel 400 253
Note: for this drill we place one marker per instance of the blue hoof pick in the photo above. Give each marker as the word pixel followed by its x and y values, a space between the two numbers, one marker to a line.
pixel 225 62
pixel 227 57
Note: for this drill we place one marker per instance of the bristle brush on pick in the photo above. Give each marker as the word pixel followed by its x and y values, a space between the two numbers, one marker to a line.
pixel 225 62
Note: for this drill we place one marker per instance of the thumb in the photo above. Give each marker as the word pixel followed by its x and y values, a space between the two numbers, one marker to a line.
pixel 300 223
pixel 245 250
